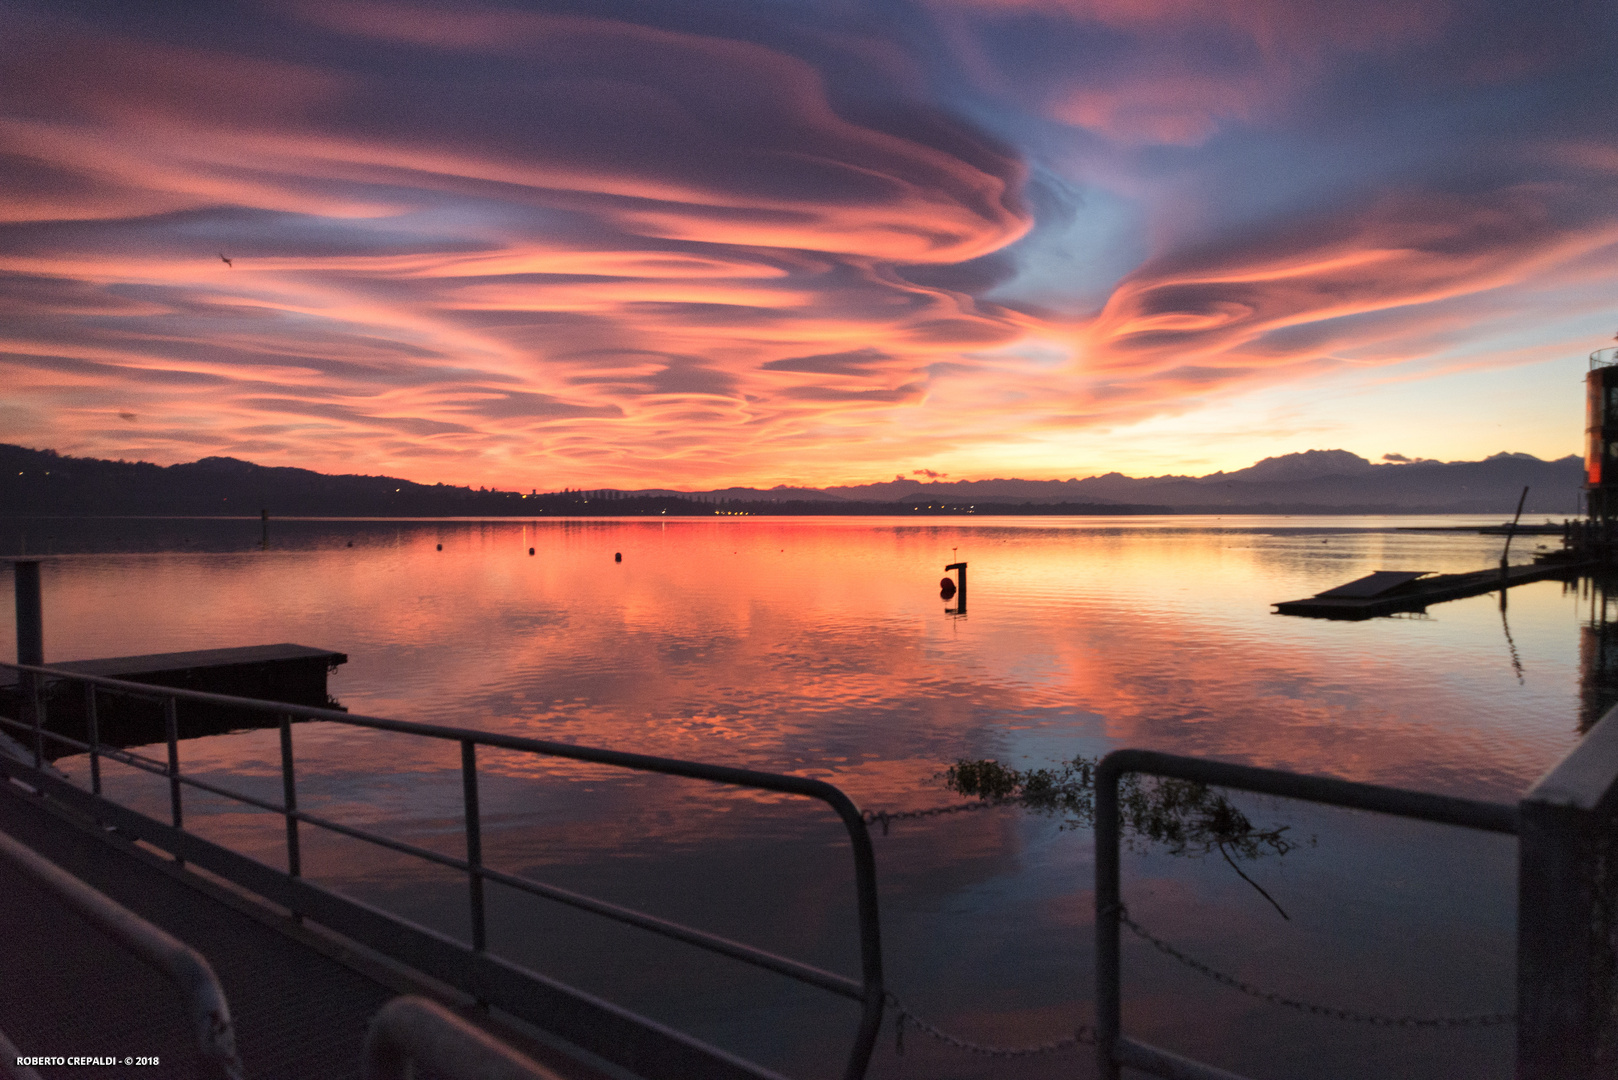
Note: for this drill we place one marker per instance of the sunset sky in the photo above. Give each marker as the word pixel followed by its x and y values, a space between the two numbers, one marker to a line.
pixel 778 241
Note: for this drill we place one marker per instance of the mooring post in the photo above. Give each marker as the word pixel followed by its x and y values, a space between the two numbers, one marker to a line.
pixel 960 585
pixel 30 643
pixel 30 623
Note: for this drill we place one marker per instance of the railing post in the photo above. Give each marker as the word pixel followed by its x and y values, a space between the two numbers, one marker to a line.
pixel 1109 996
pixel 171 724
pixel 289 798
pixel 474 840
pixel 872 984
pixel 37 707
pixel 92 735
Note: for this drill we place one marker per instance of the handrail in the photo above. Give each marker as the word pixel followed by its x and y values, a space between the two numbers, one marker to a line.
pixel 10 1066
pixel 413 1029
pixel 869 990
pixel 1113 1048
pixel 180 964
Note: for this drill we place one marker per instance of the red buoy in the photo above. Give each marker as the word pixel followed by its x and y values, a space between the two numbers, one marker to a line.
pixel 946 588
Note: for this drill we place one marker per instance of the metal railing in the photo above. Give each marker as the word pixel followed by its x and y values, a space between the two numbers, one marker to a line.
pixel 179 963
pixel 1114 1049
pixel 605 1029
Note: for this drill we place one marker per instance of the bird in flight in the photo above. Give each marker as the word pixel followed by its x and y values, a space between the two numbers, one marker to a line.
pixel 226 261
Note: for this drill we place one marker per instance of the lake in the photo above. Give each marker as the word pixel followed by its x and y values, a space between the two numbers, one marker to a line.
pixel 821 647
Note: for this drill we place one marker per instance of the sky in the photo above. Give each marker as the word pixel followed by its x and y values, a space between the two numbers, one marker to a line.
pixel 621 244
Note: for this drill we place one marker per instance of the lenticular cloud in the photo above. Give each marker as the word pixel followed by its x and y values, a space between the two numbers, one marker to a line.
pixel 694 247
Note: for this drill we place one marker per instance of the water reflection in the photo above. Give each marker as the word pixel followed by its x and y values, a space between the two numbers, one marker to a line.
pixel 818 647
pixel 1598 650
pixel 1182 817
pixel 1511 646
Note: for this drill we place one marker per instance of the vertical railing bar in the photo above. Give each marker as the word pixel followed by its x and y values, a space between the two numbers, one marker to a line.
pixel 38 705
pixel 1109 995
pixel 92 733
pixel 870 922
pixel 474 841
pixel 289 798
pixel 171 724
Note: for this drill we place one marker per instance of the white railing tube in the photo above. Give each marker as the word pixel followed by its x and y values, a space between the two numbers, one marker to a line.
pixel 414 1030
pixel 180 963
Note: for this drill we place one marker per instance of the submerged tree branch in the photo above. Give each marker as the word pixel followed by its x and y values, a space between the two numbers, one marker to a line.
pixel 1186 818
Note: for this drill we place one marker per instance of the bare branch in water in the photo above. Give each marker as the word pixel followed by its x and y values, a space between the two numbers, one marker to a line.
pixel 1186 818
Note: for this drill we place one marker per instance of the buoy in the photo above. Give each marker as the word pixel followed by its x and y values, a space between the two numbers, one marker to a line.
pixel 530 551
pixel 946 588
pixel 440 547
pixel 617 556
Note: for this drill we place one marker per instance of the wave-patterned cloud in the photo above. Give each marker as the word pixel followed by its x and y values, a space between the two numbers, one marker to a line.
pixel 546 245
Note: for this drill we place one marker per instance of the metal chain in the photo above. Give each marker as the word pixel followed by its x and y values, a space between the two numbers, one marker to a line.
pixel 882 817
pixel 1375 1020
pixel 1085 1036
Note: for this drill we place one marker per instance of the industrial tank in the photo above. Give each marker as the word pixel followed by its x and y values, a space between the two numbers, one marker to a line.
pixel 1601 435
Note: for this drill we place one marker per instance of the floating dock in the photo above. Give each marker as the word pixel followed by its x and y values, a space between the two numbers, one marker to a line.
pixel 294 674
pixel 1549 528
pixel 1390 592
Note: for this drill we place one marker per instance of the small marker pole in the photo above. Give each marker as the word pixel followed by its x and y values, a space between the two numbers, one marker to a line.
pixel 1511 533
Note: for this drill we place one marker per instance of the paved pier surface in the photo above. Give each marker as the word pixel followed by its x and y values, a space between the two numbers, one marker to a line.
pixel 65 989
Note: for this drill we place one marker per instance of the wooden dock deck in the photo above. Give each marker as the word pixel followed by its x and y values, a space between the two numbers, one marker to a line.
pixel 295 674
pixel 1416 593
pixel 301 998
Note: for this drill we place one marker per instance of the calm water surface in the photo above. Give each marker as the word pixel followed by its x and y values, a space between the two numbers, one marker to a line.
pixel 821 647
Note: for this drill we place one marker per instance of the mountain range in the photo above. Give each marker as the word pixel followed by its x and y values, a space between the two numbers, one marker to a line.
pixel 1329 480
pixel 1315 481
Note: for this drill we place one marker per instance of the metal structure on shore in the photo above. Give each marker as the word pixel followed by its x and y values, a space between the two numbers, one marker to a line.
pixel 1601 436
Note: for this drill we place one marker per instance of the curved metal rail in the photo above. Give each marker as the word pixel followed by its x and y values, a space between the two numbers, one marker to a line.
pixel 182 965
pixel 1115 1049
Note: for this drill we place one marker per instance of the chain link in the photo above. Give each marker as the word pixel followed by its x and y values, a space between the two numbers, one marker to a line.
pixel 1084 1036
pixel 1374 1019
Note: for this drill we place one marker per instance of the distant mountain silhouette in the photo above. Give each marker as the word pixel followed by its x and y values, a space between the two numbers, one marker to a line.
pixel 1315 481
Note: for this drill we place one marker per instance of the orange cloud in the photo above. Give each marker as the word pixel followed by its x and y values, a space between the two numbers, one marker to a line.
pixel 490 245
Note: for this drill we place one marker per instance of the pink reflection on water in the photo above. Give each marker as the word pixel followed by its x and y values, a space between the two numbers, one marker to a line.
pixel 821 648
